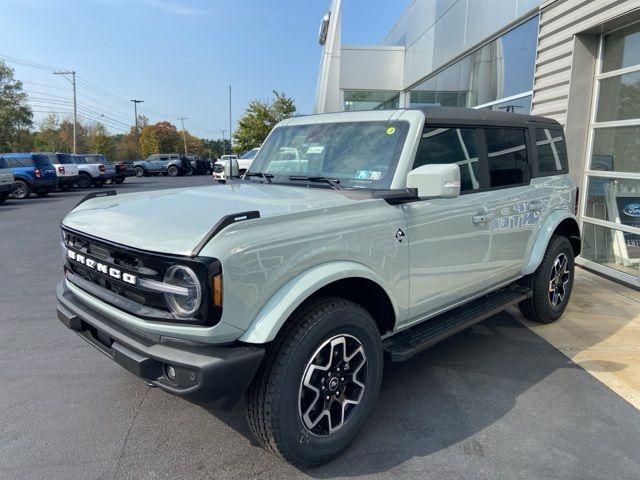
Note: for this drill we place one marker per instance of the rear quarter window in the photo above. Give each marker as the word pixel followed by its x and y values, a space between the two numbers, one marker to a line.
pixel 21 162
pixel 507 156
pixel 552 150
pixel 41 161
pixel 65 159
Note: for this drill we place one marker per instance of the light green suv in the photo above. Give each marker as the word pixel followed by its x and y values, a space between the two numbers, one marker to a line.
pixel 376 234
pixel 6 180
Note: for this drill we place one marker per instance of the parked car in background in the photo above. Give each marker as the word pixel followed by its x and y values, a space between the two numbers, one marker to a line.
pixel 66 169
pixel 246 159
pixel 93 169
pixel 6 180
pixel 124 169
pixel 199 166
pixel 171 164
pixel 33 172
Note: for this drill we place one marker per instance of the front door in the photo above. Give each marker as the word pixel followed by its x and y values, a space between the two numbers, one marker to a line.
pixel 449 239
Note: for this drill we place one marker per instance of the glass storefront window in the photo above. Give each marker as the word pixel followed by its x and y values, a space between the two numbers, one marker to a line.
pixel 614 200
pixel 612 248
pixel 621 48
pixel 370 100
pixel 616 149
pixel 619 98
pixel 499 69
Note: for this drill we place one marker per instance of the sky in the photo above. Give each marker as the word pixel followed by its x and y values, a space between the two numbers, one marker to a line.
pixel 179 56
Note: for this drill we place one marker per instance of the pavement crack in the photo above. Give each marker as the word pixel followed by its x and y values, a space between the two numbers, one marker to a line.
pixel 126 437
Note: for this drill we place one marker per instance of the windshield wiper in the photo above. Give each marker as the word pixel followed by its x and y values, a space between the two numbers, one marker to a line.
pixel 266 176
pixel 333 182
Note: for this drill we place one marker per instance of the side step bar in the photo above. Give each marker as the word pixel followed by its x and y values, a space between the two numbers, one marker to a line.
pixel 408 343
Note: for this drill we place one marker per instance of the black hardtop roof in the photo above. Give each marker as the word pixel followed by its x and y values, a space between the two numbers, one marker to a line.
pixel 472 116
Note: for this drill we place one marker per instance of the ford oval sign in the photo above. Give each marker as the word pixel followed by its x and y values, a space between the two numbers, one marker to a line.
pixel 632 209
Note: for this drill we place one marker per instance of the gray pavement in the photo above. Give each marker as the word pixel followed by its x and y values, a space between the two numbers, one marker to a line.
pixel 494 402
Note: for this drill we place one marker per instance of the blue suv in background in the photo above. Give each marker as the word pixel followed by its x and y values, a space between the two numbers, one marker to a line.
pixel 33 172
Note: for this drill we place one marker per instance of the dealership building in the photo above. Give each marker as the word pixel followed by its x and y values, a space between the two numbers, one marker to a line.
pixel 576 61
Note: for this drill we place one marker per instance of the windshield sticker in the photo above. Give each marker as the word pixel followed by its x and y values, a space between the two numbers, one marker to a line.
pixel 368 175
pixel 391 130
pixel 317 149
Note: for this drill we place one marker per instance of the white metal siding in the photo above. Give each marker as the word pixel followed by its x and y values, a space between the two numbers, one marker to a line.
pixel 560 20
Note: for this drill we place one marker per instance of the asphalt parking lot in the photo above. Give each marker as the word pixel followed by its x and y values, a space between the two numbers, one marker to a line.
pixel 494 402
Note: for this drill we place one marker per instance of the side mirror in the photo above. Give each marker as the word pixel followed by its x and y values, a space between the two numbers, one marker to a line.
pixel 232 168
pixel 435 180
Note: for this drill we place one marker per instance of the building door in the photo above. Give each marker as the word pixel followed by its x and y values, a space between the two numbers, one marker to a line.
pixel 610 212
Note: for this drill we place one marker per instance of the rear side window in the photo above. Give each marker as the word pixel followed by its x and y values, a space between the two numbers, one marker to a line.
pixel 552 150
pixel 452 145
pixel 507 156
pixel 21 162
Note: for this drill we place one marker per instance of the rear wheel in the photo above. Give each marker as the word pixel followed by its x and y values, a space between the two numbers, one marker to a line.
pixel 318 382
pixel 139 171
pixel 108 181
pixel 20 190
pixel 172 171
pixel 84 180
pixel 551 283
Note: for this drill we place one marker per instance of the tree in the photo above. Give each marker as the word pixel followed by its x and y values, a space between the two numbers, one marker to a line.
pixel 195 145
pixel 216 148
pixel 15 113
pixel 47 138
pixel 163 137
pixel 66 136
pixel 100 141
pixel 260 118
pixel 23 141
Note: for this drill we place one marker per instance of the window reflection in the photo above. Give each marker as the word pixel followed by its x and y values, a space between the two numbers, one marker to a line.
pixel 502 68
pixel 613 248
pixel 621 48
pixel 616 149
pixel 370 100
pixel 619 98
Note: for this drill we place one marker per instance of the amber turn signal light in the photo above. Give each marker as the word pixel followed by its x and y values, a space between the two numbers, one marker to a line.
pixel 216 290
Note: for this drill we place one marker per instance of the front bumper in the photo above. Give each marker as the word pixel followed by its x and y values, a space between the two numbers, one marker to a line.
pixel 204 373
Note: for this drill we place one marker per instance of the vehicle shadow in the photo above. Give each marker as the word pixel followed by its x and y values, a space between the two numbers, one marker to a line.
pixel 450 393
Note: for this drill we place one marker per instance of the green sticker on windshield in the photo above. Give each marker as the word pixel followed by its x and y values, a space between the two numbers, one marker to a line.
pixel 391 130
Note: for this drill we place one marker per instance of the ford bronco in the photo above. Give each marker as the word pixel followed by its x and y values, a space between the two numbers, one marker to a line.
pixel 377 235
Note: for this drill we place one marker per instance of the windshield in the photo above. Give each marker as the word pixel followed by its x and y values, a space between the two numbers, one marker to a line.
pixel 250 154
pixel 358 154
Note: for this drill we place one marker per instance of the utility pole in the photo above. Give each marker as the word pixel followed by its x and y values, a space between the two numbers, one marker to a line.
pixel 230 130
pixel 75 108
pixel 135 112
pixel 224 147
pixel 184 135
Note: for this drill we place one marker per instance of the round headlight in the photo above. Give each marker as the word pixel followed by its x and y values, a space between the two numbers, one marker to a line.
pixel 187 302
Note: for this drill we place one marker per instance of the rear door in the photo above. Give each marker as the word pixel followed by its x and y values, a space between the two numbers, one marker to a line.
pixel 515 206
pixel 449 239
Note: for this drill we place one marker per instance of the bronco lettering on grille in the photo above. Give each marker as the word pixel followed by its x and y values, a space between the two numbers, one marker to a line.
pixel 102 268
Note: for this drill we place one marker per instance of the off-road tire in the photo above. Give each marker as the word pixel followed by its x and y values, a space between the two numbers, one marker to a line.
pixel 84 180
pixel 273 411
pixel 539 307
pixel 139 171
pixel 21 190
pixel 172 171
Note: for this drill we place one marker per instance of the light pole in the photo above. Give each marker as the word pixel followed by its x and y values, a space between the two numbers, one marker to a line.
pixel 75 111
pixel 230 131
pixel 184 135
pixel 135 112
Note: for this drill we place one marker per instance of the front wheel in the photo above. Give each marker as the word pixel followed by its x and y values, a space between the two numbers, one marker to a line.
pixel 108 181
pixel 551 283
pixel 172 171
pixel 139 171
pixel 318 382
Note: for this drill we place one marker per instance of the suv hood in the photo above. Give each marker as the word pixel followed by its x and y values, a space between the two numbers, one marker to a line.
pixel 174 221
